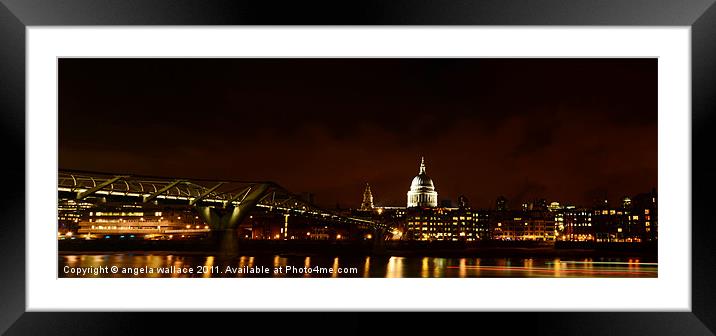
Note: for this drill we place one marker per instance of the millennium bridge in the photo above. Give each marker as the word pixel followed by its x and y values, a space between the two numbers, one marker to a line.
pixel 222 204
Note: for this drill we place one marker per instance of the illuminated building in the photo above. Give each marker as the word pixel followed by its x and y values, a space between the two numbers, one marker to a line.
pixel 536 225
pixel 578 225
pixel 645 215
pixel 534 222
pixel 367 203
pixel 634 221
pixel 611 224
pixel 266 225
pixel 446 224
pixel 422 190
pixel 141 224
pixel 69 213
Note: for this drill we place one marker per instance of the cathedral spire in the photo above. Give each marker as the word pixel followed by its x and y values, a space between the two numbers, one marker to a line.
pixel 422 165
pixel 367 198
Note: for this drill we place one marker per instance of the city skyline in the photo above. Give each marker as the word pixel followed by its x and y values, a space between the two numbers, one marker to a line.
pixel 564 130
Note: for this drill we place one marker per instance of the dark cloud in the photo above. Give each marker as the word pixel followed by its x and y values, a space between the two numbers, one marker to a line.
pixel 562 129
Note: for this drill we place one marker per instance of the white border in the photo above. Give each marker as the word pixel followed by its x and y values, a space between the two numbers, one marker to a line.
pixel 670 291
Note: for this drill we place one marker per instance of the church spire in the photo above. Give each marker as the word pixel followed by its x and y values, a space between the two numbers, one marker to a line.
pixel 367 198
pixel 422 165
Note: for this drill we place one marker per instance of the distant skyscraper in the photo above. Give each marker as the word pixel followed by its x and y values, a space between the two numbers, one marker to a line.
pixel 501 203
pixel 462 202
pixel 626 203
pixel 367 199
pixel 422 190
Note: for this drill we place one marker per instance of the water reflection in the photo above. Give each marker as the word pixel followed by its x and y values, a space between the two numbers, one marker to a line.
pixel 162 265
pixel 335 267
pixel 394 268
pixel 307 265
pixel 208 266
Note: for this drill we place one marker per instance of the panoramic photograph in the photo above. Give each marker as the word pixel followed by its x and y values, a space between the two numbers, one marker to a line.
pixel 357 168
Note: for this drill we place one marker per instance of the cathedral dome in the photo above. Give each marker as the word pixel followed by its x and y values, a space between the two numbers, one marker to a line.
pixel 422 190
pixel 422 181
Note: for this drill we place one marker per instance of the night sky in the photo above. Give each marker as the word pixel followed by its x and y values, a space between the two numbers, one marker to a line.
pixel 568 130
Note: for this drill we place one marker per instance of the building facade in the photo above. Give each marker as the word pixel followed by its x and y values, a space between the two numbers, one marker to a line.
pixel 446 224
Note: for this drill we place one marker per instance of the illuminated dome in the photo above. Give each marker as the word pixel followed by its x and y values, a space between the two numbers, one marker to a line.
pixel 422 181
pixel 422 190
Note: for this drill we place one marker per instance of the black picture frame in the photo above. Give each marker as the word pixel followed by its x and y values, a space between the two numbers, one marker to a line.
pixel 16 15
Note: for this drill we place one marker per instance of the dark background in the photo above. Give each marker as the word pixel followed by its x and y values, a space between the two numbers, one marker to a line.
pixel 570 130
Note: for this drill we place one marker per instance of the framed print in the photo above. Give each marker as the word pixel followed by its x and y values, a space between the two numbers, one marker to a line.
pixel 513 161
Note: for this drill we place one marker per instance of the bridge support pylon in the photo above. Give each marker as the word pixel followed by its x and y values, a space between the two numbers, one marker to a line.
pixel 227 241
pixel 223 223
pixel 378 241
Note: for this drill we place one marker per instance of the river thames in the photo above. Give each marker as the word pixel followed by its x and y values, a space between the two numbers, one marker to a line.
pixel 157 265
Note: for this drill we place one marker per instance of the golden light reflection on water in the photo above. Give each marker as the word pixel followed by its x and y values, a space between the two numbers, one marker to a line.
pixel 587 263
pixel 528 264
pixel 209 264
pixel 438 267
pixel 392 267
pixel 557 268
pixel 279 262
pixel 335 268
pixel 178 263
pixel 242 263
pixel 307 264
